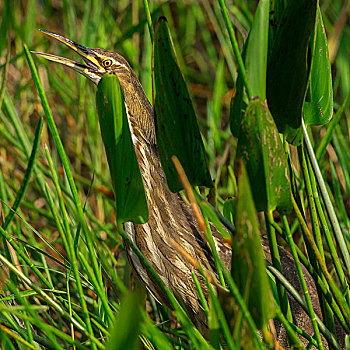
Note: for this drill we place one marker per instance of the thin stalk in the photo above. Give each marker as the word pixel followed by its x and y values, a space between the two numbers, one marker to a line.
pixel 210 239
pixel 40 340
pixel 66 166
pixel 66 228
pixel 17 337
pixel 16 122
pixel 234 291
pixel 327 201
pixel 275 256
pixel 290 330
pixel 318 280
pixel 306 167
pixel 24 184
pixel 338 196
pixel 69 302
pixel 235 47
pixel 291 290
pixel 221 316
pixel 302 282
pixel 23 301
pixel 99 292
pixel 43 295
pixel 22 254
pixel 27 175
pixel 57 220
pixel 344 307
pixel 326 139
pixel 3 83
pixel 312 205
pixel 149 19
pixel 200 294
pixel 332 248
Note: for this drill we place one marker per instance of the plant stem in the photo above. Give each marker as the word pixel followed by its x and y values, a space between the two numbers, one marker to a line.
pixel 327 201
pixel 241 68
pixel 275 257
pixel 344 307
pixel 149 19
pixel 302 282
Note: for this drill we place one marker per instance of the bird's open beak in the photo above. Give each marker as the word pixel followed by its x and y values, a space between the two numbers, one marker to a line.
pixel 92 69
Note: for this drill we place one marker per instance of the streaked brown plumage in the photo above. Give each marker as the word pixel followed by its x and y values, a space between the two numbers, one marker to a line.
pixel 170 218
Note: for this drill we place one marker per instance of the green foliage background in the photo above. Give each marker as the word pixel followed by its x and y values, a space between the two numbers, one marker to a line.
pixel 68 272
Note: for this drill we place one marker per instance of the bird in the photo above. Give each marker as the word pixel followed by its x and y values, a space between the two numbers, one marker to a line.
pixel 172 221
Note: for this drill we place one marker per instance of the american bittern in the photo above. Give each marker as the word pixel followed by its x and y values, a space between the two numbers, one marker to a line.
pixel 170 218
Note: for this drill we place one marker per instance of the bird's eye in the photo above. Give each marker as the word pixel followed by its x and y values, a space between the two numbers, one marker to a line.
pixel 107 63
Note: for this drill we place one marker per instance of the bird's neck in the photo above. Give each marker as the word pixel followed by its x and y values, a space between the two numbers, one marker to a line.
pixel 142 128
pixel 140 111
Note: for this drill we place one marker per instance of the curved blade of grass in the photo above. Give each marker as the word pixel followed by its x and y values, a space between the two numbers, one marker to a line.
pixel 131 201
pixel 52 126
pixel 25 183
pixel 42 294
pixel 176 128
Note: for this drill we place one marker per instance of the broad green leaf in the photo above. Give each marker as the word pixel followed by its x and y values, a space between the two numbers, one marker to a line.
pixel 254 54
pixel 288 70
pixel 177 129
pixel 247 265
pixel 126 330
pixel 260 145
pixel 318 109
pixel 126 177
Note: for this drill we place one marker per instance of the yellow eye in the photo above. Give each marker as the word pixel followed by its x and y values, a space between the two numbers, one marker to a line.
pixel 107 63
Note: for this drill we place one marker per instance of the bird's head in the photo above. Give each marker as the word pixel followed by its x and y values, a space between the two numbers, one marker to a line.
pixel 97 61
